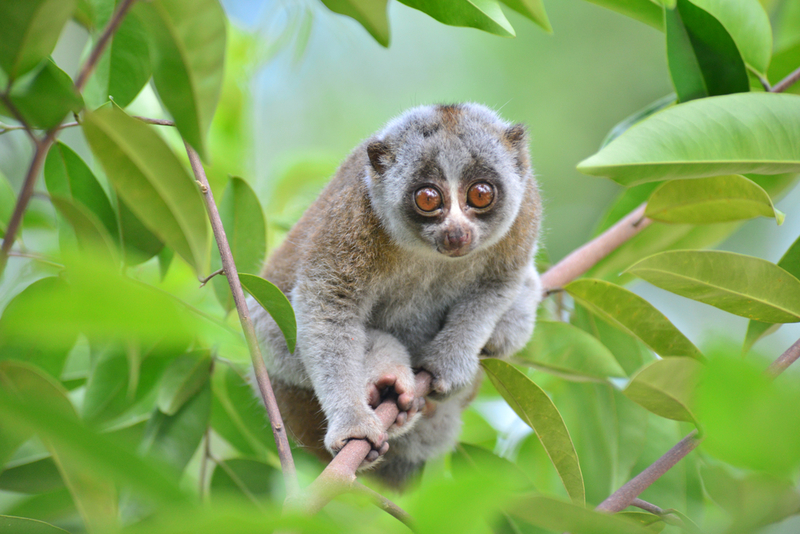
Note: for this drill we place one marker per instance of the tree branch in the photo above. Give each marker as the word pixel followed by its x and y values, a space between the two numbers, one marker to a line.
pixel 584 258
pixel 787 82
pixel 264 384
pixel 101 44
pixel 20 119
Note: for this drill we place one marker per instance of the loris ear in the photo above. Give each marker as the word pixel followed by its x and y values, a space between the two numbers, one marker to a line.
pixel 380 156
pixel 516 138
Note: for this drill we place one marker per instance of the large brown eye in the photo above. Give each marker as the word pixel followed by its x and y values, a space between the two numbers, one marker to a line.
pixel 480 195
pixel 428 199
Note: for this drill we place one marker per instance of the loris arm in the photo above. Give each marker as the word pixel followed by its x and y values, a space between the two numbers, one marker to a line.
pixel 515 327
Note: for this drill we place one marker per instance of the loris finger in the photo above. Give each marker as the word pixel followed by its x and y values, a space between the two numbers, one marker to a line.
pixel 386 381
pixel 405 401
pixel 373 396
pixel 402 417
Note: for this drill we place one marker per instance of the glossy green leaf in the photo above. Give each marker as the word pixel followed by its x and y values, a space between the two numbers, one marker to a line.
pixel 188 54
pixel 639 116
pixel 666 387
pixel 702 57
pixel 748 24
pixel 563 349
pixel 89 231
pixel 44 97
pixel 151 180
pixel 246 229
pixel 558 516
pixel 370 14
pixel 244 477
pixel 23 525
pixel 748 420
pixel 632 314
pixel 642 10
pixel 124 68
pixel 66 175
pixel 534 407
pixel 138 243
pixel 183 378
pixel 238 415
pixel 710 200
pixel 486 15
pixel 38 475
pixel 741 285
pixel 30 30
pixel 706 137
pixel 275 302
pixel 107 388
pixel 173 439
pixel 532 9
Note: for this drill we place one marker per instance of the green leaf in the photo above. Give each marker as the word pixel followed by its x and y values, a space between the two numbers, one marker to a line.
pixel 369 13
pixel 138 243
pixel 66 175
pixel 468 459
pixel 666 387
pixel 564 349
pixel 90 233
pixel 702 57
pixel 124 68
pixel 534 407
pixel 653 523
pixel 641 10
pixel 8 200
pixel 748 24
pixel 183 378
pixel 532 9
pixel 151 180
pixel 790 262
pixel 555 515
pixel 486 15
pixel 623 126
pixel 30 30
pixel 738 284
pixel 244 477
pixel 748 420
pixel 107 387
pixel 44 97
pixel 710 200
pixel 246 229
pixel 173 439
pixel 634 315
pixel 38 475
pixel 275 302
pixel 23 525
pixel 706 137
pixel 188 53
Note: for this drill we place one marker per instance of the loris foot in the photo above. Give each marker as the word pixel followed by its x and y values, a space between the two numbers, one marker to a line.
pixel 407 403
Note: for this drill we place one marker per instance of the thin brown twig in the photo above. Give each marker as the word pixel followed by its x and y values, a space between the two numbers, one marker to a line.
pixel 787 82
pixel 157 122
pixel 101 44
pixel 204 281
pixel 262 377
pixel 383 503
pixel 18 116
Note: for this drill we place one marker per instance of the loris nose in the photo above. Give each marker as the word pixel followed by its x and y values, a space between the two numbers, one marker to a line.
pixel 457 238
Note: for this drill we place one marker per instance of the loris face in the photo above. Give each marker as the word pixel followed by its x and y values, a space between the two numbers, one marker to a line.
pixel 448 179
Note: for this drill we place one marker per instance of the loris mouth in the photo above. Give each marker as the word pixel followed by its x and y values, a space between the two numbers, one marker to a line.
pixel 455 252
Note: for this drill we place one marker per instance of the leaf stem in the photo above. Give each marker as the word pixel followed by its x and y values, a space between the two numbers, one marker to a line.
pixel 262 377
pixel 204 281
pixel 787 82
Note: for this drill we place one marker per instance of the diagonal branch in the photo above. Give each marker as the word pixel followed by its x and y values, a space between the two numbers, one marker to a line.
pixel 264 384
pixel 787 82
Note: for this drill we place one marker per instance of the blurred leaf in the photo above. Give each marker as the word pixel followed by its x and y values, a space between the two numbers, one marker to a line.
pixel 369 13
pixel 31 476
pixel 56 506
pixel 44 97
pixel 553 514
pixel 702 57
pixel 748 24
pixel 710 200
pixel 468 459
pixel 532 9
pixel 652 522
pixel 95 497
pixel 748 421
pixel 639 116
pixel 164 261
pixel 476 430
pixel 566 350
pixel 90 233
pixel 151 180
pixel 244 477
pixel 30 30
pixel 666 387
pixel 15 346
pixel 706 137
pixel 188 53
pixel 486 15
pixel 641 10
pixel 790 262
pixel 173 439
pixel 124 68
pixel 632 427
pixel 246 229
pixel 107 387
pixel 22 525
pixel 138 243
pixel 738 284
pixel 183 378
pixel 238 416
pixel 275 302
pixel 534 407
pixel 783 63
pixel 632 314
pixel 66 175
pixel 7 201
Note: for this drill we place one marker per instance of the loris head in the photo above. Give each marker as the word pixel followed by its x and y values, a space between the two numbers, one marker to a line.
pixel 448 179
